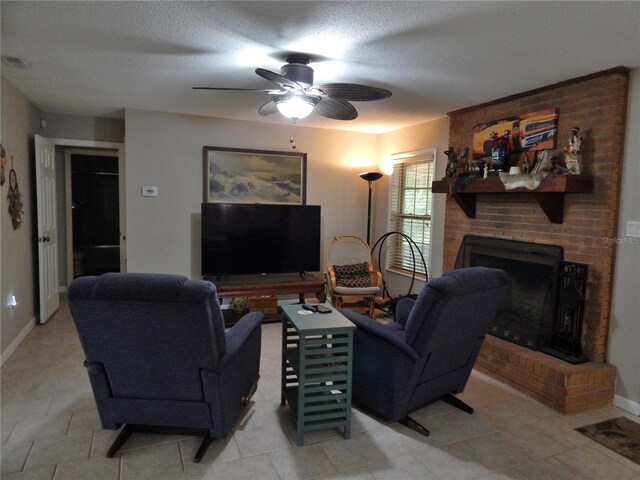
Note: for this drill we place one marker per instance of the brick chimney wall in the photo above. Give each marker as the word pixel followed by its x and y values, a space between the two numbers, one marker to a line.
pixel 597 104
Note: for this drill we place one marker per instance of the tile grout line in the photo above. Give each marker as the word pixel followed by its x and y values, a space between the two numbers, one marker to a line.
pixel 73 414
pixel 28 455
pixel 182 460
pixel 15 424
pixel 93 440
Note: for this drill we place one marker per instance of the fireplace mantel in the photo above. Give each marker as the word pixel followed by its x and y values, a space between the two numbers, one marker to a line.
pixel 549 194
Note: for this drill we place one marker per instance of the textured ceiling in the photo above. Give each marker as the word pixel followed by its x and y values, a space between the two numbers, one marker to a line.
pixel 97 58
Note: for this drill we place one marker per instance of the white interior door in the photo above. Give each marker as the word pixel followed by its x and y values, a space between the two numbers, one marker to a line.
pixel 47 227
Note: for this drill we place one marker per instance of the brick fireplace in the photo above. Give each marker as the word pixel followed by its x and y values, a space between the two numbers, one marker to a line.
pixel 597 104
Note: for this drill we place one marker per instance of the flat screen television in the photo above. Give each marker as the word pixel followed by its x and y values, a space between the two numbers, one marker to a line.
pixel 242 239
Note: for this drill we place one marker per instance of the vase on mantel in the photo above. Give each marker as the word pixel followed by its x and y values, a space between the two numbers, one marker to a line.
pixel 499 157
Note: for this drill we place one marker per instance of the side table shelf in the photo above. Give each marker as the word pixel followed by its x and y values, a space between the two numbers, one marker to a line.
pixel 317 369
pixel 549 194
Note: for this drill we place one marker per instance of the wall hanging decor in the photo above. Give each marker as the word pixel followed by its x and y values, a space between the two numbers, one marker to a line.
pixel 14 197
pixel 3 163
pixel 233 175
pixel 529 132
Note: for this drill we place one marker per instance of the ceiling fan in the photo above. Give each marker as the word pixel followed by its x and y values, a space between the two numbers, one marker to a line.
pixel 297 96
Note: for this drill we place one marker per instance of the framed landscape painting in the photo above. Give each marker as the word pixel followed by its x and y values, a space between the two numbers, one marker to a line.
pixel 233 175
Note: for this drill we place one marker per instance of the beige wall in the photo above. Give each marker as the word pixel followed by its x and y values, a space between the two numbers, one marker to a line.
pixel 17 122
pixel 624 327
pixel 165 150
pixel 434 134
pixel 78 127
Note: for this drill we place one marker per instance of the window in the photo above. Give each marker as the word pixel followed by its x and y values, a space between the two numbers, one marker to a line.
pixel 410 211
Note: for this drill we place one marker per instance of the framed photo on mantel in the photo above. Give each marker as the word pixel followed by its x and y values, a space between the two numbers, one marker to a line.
pixel 234 175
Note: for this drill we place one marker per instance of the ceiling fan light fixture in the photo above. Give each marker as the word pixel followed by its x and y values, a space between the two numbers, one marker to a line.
pixel 295 106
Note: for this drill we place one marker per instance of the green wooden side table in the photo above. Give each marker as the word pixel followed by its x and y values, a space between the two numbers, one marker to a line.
pixel 317 364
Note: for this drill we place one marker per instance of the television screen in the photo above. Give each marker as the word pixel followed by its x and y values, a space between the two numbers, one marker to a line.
pixel 240 239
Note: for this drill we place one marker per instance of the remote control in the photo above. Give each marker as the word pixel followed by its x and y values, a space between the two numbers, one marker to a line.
pixel 311 308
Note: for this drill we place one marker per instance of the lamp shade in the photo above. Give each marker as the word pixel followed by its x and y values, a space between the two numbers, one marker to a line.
pixel 371 176
pixel 293 106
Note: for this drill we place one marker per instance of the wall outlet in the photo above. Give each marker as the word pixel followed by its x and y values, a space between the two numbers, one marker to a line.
pixel 149 191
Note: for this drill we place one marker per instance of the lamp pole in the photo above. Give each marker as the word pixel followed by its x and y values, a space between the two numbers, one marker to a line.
pixel 370 177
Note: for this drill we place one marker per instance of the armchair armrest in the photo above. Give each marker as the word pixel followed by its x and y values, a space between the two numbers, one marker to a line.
pixel 332 278
pixel 403 308
pixel 394 337
pixel 236 373
pixel 98 379
pixel 237 335
pixel 375 278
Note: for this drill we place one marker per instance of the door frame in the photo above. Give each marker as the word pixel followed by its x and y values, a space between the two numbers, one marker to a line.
pixel 95 147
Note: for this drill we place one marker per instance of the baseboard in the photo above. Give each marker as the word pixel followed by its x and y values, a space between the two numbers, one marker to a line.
pixel 17 341
pixel 626 404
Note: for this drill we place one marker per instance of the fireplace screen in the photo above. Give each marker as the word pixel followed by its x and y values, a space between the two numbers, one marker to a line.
pixel 527 315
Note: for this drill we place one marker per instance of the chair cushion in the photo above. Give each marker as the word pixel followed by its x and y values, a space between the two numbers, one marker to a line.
pixel 353 276
pixel 357 291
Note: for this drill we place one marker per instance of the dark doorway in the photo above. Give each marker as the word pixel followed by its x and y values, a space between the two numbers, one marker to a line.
pixel 95 214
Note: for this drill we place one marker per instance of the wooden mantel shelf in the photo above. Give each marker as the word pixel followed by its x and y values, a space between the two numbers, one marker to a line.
pixel 549 194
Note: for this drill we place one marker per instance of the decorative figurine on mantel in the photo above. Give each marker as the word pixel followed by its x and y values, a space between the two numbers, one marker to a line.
pixel 526 164
pixel 452 163
pixel 463 163
pixel 571 159
pixel 543 162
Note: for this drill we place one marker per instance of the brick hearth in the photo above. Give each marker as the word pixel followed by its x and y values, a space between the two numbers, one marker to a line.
pixel 561 385
pixel 597 104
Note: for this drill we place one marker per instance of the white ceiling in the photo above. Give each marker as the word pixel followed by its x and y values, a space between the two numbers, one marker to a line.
pixel 97 58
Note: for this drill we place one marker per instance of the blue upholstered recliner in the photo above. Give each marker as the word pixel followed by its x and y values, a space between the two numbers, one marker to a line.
pixel 428 352
pixel 159 358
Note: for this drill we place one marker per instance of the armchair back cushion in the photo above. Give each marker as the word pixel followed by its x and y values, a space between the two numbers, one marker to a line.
pixel 140 325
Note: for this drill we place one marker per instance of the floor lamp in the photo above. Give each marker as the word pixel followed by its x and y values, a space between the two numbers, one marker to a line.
pixel 370 177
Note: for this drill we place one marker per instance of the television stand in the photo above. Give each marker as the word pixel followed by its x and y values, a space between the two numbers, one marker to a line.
pixel 271 284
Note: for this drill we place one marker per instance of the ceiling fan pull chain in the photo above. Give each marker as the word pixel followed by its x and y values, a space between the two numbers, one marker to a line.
pixel 292 140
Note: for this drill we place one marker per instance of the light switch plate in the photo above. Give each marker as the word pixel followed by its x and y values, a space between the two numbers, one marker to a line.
pixel 633 228
pixel 149 191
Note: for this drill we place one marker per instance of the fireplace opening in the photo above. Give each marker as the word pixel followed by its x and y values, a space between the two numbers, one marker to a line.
pixel 528 313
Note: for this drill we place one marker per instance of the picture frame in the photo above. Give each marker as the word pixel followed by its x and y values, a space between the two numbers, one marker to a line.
pixel 533 131
pixel 236 175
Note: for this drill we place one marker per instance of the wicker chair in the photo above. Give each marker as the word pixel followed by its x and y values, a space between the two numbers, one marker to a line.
pixel 353 281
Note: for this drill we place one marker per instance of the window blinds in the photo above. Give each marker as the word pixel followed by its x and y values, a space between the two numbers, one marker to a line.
pixel 410 211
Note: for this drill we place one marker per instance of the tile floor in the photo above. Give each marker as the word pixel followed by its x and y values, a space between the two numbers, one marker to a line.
pixel 50 430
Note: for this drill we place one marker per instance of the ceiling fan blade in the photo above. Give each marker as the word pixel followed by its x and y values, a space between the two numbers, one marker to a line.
pixel 268 108
pixel 276 77
pixel 268 90
pixel 353 91
pixel 336 108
